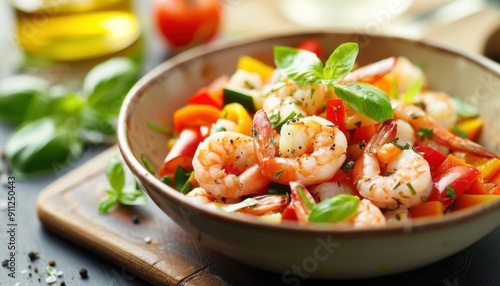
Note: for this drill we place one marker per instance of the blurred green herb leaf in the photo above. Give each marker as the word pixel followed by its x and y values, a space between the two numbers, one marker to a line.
pixel 107 84
pixel 54 124
pixel 41 145
pixel 16 93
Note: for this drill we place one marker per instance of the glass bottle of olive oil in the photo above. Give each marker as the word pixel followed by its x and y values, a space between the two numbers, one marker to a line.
pixel 71 30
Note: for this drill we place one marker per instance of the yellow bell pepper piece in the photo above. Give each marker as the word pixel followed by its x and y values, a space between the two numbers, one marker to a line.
pixel 238 114
pixel 253 65
pixel 471 127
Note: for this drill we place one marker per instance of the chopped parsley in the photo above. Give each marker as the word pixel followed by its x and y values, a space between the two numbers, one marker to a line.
pixel 425 132
pixel 405 147
pixel 412 190
pixel 450 192
pixel 278 174
pixel 347 166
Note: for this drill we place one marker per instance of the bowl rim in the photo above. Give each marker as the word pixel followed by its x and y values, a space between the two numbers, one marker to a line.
pixel 152 78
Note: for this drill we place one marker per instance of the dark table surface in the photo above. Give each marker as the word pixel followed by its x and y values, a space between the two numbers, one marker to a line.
pixel 477 265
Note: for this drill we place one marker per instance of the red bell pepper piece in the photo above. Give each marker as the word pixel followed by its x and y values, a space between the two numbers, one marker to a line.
pixel 182 152
pixel 312 45
pixel 289 213
pixel 451 183
pixel 364 133
pixel 211 94
pixel 335 112
pixel 432 156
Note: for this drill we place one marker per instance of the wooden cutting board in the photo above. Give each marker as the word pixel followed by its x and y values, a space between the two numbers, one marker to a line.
pixel 68 207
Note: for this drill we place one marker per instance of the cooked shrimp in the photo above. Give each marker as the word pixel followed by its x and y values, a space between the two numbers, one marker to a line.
pixel 329 189
pixel 405 133
pixel 226 166
pixel 309 149
pixel 246 80
pixel 420 120
pixel 409 176
pixel 281 108
pixel 441 107
pixel 310 98
pixel 368 215
pixel 265 204
pixel 398 215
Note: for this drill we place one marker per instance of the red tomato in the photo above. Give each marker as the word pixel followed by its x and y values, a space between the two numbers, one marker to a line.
pixel 184 23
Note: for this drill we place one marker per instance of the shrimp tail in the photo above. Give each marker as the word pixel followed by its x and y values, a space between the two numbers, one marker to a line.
pixel 263 133
pixel 386 134
pixel 445 137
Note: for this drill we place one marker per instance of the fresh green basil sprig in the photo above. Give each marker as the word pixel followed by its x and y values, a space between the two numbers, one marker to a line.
pixel 305 68
pixel 334 209
pixel 120 192
pixel 55 124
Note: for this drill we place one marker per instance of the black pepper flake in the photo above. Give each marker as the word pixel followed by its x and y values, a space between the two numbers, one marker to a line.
pixel 52 262
pixel 35 269
pixel 63 283
pixel 5 263
pixel 135 219
pixel 84 273
pixel 33 255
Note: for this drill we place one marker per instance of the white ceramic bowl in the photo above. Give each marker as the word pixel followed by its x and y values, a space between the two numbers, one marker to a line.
pixel 318 251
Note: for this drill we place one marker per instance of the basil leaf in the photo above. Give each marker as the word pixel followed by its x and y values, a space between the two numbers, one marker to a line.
pixel 132 197
pixel 334 209
pixel 188 186
pixel 300 66
pixel 115 174
pixel 56 101
pixel 108 202
pixel 340 63
pixel 464 109
pixel 181 176
pixel 16 93
pixel 366 99
pixel 42 145
pixel 96 128
pixel 107 83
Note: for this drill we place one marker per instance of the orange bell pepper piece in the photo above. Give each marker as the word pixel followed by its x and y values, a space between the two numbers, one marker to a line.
pixel 468 200
pixel 195 116
pixel 427 209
